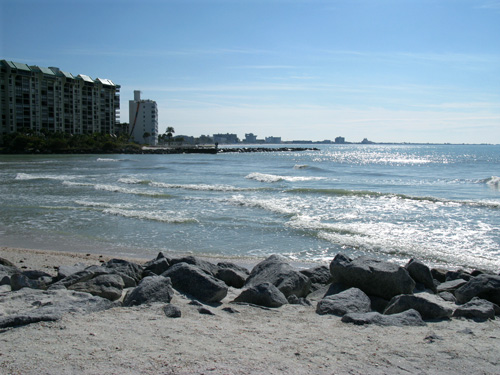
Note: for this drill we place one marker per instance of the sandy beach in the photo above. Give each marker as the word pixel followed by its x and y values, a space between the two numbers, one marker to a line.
pixel 292 339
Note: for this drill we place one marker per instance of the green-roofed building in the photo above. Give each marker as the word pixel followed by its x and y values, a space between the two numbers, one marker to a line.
pixel 50 99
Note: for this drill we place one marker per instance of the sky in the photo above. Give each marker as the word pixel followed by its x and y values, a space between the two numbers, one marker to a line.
pixel 385 70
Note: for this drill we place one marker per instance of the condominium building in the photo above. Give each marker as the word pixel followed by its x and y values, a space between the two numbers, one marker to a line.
pixel 143 120
pixel 49 99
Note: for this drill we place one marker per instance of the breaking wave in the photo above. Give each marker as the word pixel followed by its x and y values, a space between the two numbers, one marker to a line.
pixel 163 217
pixel 271 178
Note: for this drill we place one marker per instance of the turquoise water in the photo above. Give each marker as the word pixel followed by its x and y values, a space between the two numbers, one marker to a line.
pixel 440 204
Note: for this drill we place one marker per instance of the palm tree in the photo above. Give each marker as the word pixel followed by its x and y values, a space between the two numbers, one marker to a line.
pixel 146 135
pixel 169 132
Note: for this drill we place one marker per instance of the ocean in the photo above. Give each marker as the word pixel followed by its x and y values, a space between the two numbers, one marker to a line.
pixel 436 203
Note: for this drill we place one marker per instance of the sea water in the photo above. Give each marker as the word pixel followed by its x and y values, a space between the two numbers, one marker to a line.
pixel 437 203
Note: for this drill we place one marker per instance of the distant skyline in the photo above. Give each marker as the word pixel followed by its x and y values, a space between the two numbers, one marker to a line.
pixel 386 70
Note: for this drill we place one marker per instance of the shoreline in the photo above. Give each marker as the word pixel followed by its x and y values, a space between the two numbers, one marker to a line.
pixel 32 258
pixel 292 339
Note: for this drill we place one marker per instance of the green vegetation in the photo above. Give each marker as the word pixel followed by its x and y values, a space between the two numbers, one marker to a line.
pixel 46 142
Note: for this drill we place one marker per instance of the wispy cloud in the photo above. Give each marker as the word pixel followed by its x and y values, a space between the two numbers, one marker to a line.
pixel 447 57
pixel 494 4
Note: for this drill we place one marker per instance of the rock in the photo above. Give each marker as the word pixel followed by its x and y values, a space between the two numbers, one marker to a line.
pixel 18 320
pixel 232 274
pixel 4 280
pixel 318 275
pixel 82 276
pixel 265 294
pixel 7 263
pixel 172 311
pixel 421 274
pixel 439 274
pixel 447 296
pixel 379 304
pixel 406 318
pixel 205 311
pixel 131 272
pixel 230 310
pixel 6 269
pixel 191 280
pixel 19 281
pixel 428 305
pixel 352 300
pixel 105 286
pixel 459 274
pixel 282 275
pixel 65 271
pixel 374 277
pixel 156 266
pixel 205 266
pixel 326 290
pixel 294 300
pixel 33 305
pixel 35 274
pixel 450 286
pixel 483 286
pixel 476 309
pixel 150 289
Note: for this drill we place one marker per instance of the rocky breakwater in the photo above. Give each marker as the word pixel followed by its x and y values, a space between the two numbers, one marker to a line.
pixel 359 291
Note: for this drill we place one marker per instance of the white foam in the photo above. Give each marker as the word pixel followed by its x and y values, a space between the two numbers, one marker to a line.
pixel 201 187
pixel 493 182
pixel 271 178
pixel 164 217
pixel 279 206
pixel 107 160
pixel 27 176
pixel 103 204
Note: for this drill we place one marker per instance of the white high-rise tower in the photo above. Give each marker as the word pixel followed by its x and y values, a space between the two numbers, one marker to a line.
pixel 143 120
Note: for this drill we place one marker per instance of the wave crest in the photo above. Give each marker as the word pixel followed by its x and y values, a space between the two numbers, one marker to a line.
pixel 271 178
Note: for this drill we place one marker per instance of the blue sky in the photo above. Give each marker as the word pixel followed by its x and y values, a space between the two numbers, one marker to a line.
pixel 386 70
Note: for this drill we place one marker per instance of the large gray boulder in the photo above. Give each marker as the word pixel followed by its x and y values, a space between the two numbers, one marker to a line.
pixel 406 318
pixel 150 289
pixel 428 305
pixel 19 281
pixel 265 294
pixel 420 273
pixel 108 286
pixel 352 300
pixel 131 272
pixel 477 309
pixel 81 276
pixel 282 275
pixel 483 286
pixel 158 265
pixel 374 277
pixel 318 275
pixel 32 305
pixel 65 271
pixel 232 274
pixel 191 280
pixel 204 265
pixel 450 286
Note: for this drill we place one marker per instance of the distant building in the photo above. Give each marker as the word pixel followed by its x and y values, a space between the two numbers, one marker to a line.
pixel 52 100
pixel 365 141
pixel 226 138
pixel 340 140
pixel 143 120
pixel 250 138
pixel 273 139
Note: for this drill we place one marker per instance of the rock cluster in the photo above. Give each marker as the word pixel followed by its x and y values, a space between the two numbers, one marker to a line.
pixel 360 291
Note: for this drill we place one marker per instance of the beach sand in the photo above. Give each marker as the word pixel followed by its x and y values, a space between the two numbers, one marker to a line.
pixel 292 339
